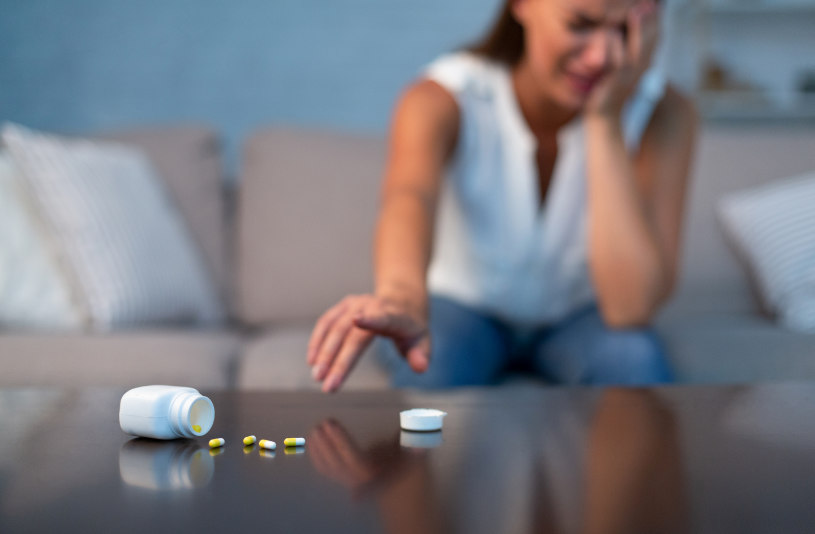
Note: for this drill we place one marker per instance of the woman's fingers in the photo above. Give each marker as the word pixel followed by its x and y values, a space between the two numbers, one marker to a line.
pixel 394 325
pixel 418 356
pixel 634 22
pixel 332 343
pixel 327 460
pixel 650 30
pixel 643 22
pixel 617 55
pixel 355 343
pixel 352 458
pixel 336 455
pixel 343 333
pixel 322 327
pixel 318 451
pixel 410 337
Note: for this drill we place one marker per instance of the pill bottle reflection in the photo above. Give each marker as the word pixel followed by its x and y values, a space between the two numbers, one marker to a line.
pixel 165 465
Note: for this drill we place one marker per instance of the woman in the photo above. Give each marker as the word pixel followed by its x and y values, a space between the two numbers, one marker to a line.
pixel 531 208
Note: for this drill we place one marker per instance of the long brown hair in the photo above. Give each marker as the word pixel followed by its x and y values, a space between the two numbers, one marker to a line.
pixel 504 42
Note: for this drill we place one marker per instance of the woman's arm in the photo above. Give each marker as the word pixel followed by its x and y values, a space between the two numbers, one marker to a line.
pixel 423 136
pixel 424 133
pixel 636 209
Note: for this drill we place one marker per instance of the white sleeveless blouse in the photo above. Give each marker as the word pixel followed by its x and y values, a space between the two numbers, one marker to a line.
pixel 495 248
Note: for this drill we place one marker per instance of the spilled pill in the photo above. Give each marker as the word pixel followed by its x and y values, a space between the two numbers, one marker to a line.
pixel 217 442
pixel 267 444
pixel 248 440
pixel 294 442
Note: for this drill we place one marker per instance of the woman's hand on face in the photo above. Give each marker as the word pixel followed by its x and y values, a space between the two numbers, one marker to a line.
pixel 343 333
pixel 629 59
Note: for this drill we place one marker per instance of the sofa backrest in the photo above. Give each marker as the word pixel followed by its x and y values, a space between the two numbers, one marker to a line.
pixel 730 157
pixel 308 202
pixel 307 205
pixel 188 158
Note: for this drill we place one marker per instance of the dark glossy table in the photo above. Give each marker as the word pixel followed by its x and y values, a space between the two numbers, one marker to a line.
pixel 516 459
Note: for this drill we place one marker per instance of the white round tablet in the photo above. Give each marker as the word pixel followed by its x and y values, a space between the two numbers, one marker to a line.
pixel 421 419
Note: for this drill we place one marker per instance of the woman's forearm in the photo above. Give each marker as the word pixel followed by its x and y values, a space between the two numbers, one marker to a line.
pixel 423 138
pixel 627 265
pixel 403 246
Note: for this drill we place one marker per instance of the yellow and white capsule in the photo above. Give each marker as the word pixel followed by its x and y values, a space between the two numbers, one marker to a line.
pixel 294 442
pixel 217 442
pixel 196 429
pixel 248 440
pixel 267 444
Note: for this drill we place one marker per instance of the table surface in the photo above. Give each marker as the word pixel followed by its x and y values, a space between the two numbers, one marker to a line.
pixel 510 459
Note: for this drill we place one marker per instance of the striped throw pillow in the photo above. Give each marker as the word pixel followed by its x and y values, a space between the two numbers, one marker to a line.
pixel 773 228
pixel 34 294
pixel 119 238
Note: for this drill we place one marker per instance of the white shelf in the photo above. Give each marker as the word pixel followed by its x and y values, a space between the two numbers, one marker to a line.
pixel 760 8
pixel 754 105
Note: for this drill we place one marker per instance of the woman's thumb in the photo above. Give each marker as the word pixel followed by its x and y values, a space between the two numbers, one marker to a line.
pixel 418 357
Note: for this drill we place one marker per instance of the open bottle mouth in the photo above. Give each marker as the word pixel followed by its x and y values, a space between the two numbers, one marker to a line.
pixel 191 415
pixel 201 416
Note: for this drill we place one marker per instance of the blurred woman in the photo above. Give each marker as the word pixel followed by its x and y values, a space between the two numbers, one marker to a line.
pixel 531 208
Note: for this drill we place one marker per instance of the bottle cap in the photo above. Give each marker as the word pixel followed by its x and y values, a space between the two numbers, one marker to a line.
pixel 421 419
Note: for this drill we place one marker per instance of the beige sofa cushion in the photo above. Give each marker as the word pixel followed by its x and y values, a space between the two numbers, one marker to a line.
pixel 277 360
pixel 735 347
pixel 201 359
pixel 188 158
pixel 306 210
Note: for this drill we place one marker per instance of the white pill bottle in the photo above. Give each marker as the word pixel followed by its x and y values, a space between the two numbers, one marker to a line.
pixel 166 412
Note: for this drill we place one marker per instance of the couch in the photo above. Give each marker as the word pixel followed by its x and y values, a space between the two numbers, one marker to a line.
pixel 294 236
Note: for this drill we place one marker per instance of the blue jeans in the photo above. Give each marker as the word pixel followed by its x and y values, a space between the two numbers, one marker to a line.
pixel 470 348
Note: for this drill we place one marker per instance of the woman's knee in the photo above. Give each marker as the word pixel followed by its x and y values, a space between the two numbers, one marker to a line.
pixel 630 357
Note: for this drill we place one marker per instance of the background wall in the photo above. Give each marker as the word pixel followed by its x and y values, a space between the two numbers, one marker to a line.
pixel 86 65
pixel 81 66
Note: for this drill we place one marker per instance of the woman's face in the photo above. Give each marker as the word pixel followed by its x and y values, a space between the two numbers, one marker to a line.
pixel 569 44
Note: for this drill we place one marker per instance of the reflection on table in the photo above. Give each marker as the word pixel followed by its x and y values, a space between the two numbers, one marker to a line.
pixel 612 467
pixel 165 465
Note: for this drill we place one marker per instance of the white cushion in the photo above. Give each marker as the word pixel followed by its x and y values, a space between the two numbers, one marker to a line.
pixel 34 293
pixel 773 228
pixel 129 256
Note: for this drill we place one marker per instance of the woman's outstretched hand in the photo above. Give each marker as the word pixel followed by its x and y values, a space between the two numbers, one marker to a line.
pixel 343 333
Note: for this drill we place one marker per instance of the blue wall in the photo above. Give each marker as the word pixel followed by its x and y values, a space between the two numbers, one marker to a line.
pixel 88 65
